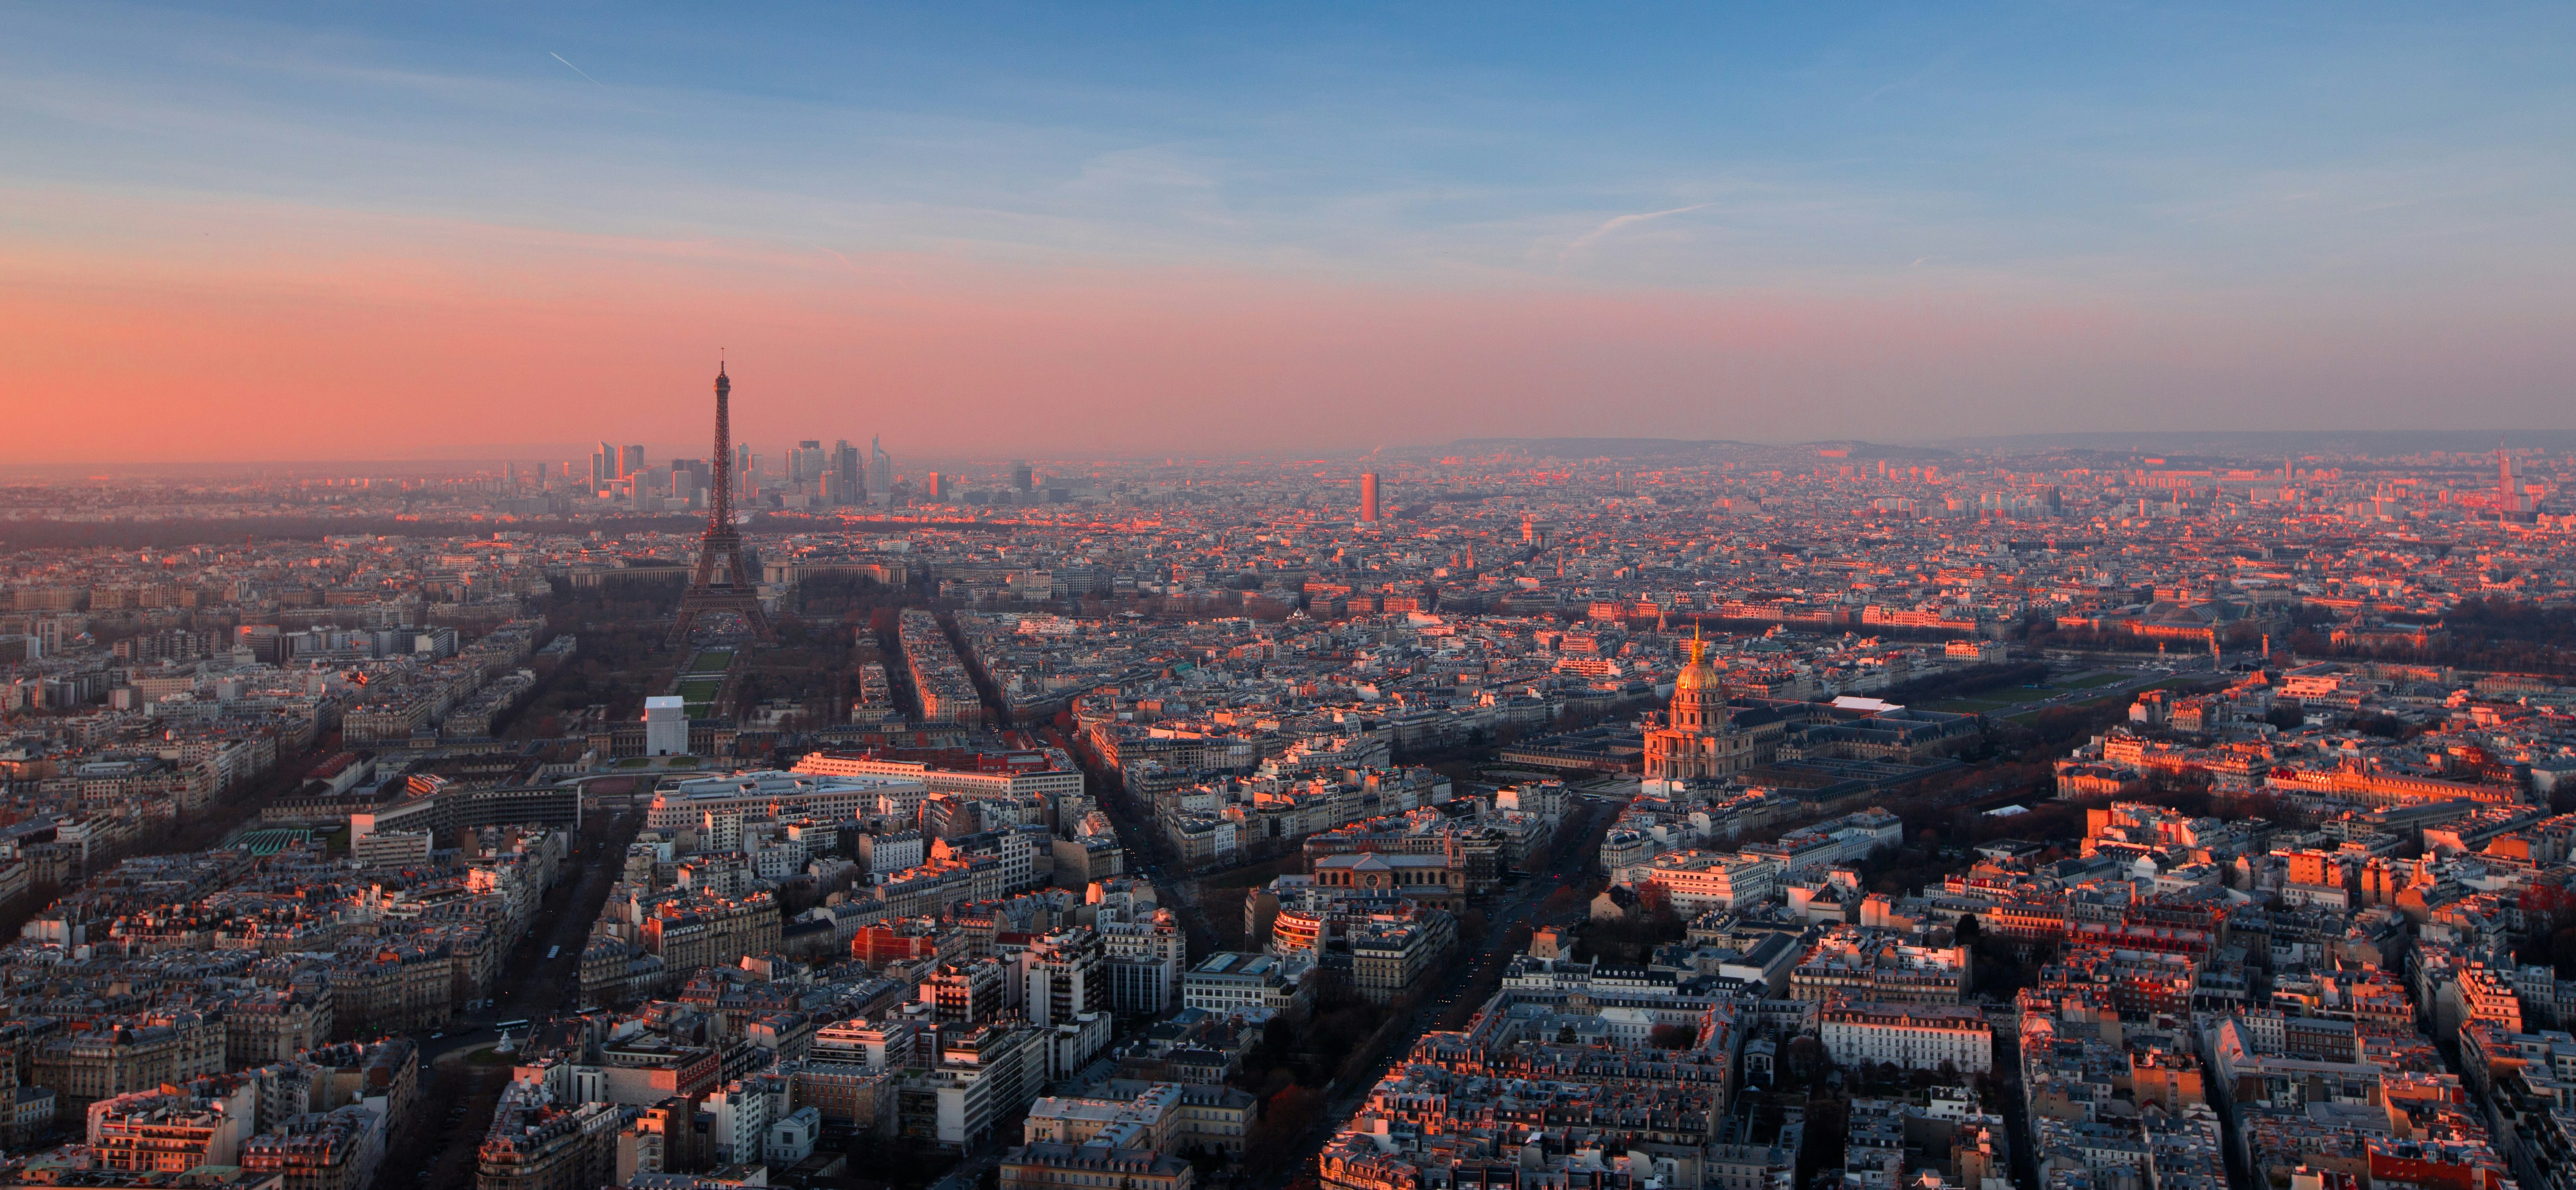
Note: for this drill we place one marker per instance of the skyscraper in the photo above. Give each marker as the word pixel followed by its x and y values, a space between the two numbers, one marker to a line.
pixel 880 468
pixel 845 473
pixel 631 462
pixel 1022 478
pixel 603 467
pixel 1368 495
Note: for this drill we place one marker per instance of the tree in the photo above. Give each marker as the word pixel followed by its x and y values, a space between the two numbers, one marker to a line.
pixel 1654 900
pixel 1803 1060
pixel 1285 1118
pixel 1967 931
pixel 1672 1037
pixel 2562 952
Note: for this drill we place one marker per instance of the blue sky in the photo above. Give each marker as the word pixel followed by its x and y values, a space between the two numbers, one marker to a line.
pixel 2408 165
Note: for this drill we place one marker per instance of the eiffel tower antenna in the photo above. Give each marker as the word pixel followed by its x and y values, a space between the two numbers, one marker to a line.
pixel 738 593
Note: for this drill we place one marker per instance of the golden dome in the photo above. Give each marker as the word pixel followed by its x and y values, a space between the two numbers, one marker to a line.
pixel 1697 675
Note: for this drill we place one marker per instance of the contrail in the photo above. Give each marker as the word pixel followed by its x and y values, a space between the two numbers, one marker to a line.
pixel 576 70
pixel 1594 236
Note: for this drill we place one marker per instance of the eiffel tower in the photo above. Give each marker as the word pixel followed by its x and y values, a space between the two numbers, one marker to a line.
pixel 738 592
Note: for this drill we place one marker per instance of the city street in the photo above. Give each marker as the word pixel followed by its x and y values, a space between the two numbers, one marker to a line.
pixel 1519 905
pixel 532 987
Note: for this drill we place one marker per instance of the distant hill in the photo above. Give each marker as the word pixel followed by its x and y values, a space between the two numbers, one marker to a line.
pixel 2271 443
pixel 1654 449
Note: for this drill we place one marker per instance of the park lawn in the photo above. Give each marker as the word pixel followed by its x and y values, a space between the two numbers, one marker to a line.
pixel 701 689
pixel 1993 698
pixel 2090 681
pixel 1969 706
pixel 713 661
pixel 2191 681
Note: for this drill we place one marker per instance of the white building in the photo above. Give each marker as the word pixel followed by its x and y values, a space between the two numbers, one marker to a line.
pixel 891 852
pixel 666 725
pixel 1914 1036
pixel 1254 986
pixel 791 1137
pixel 998 779
pixel 1699 881
pixel 769 794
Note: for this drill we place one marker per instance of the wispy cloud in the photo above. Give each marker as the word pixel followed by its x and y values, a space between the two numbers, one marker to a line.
pixel 1593 236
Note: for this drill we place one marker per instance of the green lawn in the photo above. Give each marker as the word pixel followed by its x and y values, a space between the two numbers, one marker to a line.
pixel 701 689
pixel 2007 698
pixel 712 661
pixel 1991 699
pixel 1971 706
pixel 2188 682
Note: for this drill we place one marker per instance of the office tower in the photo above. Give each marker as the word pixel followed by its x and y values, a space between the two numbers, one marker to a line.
pixel 880 468
pixel 603 467
pixel 805 463
pixel 738 594
pixel 845 472
pixel 938 488
pixel 1368 495
pixel 630 462
pixel 509 475
pixel 1021 478
pixel 688 479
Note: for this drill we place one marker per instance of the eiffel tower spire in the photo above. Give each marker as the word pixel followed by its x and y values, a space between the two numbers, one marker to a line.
pixel 738 593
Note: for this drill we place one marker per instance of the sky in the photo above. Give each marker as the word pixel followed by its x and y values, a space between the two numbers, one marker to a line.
pixel 286 231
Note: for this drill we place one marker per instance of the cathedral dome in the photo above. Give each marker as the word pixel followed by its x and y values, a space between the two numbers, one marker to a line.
pixel 1697 675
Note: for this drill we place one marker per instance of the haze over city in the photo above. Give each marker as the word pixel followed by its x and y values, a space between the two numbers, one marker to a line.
pixel 1239 597
pixel 1190 228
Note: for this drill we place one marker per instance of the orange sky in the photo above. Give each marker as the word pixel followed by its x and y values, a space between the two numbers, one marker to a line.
pixel 166 330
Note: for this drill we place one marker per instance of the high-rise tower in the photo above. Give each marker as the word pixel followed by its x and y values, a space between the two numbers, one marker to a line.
pixel 738 594
pixel 1368 496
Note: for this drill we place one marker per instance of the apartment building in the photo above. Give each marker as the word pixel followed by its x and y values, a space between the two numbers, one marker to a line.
pixel 1913 1036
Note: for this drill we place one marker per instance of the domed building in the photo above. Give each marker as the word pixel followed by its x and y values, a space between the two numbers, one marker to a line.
pixel 1698 740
